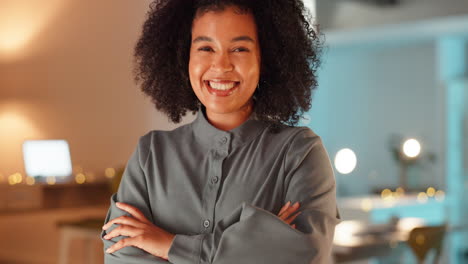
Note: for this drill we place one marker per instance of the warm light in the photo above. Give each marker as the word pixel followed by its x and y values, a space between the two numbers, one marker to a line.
pixel 440 195
pixel 30 181
pixel 386 193
pixel 19 177
pixel 407 224
pixel 15 178
pixel 13 124
pixel 366 205
pixel 21 21
pixel 16 125
pixel 110 173
pixel 11 180
pixel 80 178
pixel 389 200
pixel 422 197
pixel 430 191
pixel 51 180
pixel 400 191
pixel 411 148
pixel 13 121
pixel 345 233
pixel 345 161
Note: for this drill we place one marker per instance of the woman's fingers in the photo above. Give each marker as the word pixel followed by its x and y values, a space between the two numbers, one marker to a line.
pixel 126 242
pixel 124 230
pixel 123 220
pixel 133 211
pixel 286 206
pixel 136 220
pixel 291 218
pixel 288 211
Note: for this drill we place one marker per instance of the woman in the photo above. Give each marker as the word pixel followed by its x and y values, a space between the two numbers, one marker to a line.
pixel 240 184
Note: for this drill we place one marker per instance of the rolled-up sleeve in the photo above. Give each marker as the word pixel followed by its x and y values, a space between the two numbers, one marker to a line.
pixel 253 235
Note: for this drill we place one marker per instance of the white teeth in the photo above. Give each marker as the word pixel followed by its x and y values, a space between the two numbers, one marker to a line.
pixel 222 86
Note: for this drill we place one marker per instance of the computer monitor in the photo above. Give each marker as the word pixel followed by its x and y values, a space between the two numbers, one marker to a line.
pixel 47 158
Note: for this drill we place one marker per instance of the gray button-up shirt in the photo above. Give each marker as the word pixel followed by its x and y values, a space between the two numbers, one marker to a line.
pixel 220 191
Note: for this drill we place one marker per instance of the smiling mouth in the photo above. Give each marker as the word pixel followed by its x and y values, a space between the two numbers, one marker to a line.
pixel 221 88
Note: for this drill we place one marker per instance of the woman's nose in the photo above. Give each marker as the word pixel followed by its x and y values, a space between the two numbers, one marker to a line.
pixel 222 63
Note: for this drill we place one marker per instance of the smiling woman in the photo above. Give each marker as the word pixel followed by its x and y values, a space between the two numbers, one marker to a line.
pixel 240 184
pixel 224 65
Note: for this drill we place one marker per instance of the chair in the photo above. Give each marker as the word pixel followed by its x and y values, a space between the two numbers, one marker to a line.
pixel 424 239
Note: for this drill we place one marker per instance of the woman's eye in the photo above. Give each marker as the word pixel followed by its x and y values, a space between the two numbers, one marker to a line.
pixel 240 50
pixel 205 49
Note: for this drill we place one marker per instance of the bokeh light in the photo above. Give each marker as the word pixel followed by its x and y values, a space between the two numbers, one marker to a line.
pixel 407 224
pixel 110 173
pixel 385 193
pixel 80 178
pixel 399 192
pixel 431 191
pixel 345 161
pixel 422 197
pixel 440 195
pixel 15 178
pixel 411 148
pixel 30 180
pixel 51 180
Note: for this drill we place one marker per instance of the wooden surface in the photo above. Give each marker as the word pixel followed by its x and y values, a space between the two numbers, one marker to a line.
pixel 24 198
pixel 33 238
pixel 30 215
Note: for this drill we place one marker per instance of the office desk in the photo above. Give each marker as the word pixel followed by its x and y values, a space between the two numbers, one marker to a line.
pixel 21 197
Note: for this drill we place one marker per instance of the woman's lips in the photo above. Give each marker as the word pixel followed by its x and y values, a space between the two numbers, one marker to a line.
pixel 221 85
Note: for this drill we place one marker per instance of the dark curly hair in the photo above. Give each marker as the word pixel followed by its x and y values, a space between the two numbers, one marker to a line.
pixel 290 55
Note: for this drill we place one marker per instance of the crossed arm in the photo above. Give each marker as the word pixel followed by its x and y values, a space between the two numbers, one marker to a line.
pixel 143 234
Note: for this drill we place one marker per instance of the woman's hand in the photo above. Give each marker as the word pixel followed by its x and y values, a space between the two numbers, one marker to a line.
pixel 287 213
pixel 140 231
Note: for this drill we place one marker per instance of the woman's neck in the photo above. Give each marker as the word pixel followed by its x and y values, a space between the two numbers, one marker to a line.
pixel 229 121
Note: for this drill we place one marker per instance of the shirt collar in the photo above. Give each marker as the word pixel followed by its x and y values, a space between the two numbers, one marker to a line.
pixel 212 137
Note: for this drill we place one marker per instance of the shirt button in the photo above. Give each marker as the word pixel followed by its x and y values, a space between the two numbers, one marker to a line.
pixel 206 223
pixel 214 179
pixel 224 140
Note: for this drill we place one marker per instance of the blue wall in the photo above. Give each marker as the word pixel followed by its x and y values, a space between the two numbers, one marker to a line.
pixel 367 94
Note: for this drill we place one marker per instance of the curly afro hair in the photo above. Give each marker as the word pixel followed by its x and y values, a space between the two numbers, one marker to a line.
pixel 290 56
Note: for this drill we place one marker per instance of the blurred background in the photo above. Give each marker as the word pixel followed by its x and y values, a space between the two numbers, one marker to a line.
pixel 391 108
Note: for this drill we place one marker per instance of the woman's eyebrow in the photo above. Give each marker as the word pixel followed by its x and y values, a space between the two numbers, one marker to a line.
pixel 202 38
pixel 240 38
pixel 243 38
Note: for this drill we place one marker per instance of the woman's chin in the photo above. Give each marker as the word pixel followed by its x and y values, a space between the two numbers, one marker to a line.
pixel 219 109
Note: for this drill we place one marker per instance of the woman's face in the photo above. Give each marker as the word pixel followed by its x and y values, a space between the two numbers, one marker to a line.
pixel 224 65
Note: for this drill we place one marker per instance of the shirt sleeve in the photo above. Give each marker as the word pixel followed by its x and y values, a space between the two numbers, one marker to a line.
pixel 253 235
pixel 132 190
